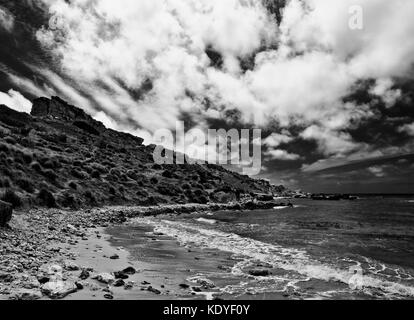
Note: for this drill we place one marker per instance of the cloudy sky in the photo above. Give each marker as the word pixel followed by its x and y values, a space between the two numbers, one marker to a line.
pixel 336 104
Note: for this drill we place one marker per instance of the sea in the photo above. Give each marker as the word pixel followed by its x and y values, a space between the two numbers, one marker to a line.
pixel 362 249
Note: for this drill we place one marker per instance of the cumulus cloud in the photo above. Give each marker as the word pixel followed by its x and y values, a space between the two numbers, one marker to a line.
pixel 408 128
pixel 139 65
pixel 377 171
pixel 282 155
pixel 126 44
pixel 15 100
pixel 276 139
pixel 6 19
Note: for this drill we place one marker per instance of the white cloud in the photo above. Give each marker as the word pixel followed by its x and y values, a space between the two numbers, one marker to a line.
pixel 383 88
pixel 107 121
pixel 15 100
pixel 276 139
pixel 163 41
pixel 331 142
pixel 110 48
pixel 377 171
pixel 282 155
pixel 6 19
pixel 408 128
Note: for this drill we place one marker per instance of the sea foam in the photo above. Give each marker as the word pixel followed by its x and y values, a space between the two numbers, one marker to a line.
pixel 289 259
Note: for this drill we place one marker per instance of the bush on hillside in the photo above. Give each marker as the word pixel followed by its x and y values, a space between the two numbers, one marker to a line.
pixel 25 184
pixel 46 199
pixel 11 197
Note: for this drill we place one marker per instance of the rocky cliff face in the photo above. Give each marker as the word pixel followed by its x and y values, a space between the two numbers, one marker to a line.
pixel 60 156
pixel 56 108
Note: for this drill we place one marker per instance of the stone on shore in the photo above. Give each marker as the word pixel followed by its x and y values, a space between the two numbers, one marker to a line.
pixel 153 290
pixel 84 274
pixel 129 271
pixel 129 285
pixel 6 213
pixel 6 277
pixel 105 278
pixel 119 283
pixel 71 266
pixel 121 275
pixel 259 272
pixel 59 289
pixel 26 295
pixel 204 283
pixel 52 271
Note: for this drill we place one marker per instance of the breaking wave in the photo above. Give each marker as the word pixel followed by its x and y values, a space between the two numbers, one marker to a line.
pixel 369 277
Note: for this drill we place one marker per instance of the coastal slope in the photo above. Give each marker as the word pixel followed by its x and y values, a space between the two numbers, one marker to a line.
pixel 59 156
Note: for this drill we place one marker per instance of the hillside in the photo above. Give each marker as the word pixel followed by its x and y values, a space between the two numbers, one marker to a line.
pixel 60 157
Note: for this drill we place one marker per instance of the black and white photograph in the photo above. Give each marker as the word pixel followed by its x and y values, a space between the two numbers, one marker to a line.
pixel 206 150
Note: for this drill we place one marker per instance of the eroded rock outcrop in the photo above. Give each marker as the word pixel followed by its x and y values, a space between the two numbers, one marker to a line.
pixel 57 108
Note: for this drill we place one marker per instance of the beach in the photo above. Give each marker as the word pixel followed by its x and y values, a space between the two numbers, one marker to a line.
pixel 304 252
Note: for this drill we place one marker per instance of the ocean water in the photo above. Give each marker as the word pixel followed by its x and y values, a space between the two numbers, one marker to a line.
pixel 360 249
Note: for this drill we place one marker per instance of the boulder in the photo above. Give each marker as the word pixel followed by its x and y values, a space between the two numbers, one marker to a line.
pixel 129 271
pixel 84 274
pixel 27 295
pixel 119 283
pixel 71 266
pixel 259 272
pixel 6 212
pixel 120 275
pixel 6 277
pixel 264 197
pixel 52 271
pixel 105 278
pixel 59 289
pixel 129 285
pixel 204 282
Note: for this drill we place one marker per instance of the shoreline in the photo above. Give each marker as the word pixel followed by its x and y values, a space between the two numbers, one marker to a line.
pixel 46 252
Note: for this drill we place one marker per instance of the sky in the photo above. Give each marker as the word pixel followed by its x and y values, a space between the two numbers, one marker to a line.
pixel 334 103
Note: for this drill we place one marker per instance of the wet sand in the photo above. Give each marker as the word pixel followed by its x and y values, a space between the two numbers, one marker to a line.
pixel 159 260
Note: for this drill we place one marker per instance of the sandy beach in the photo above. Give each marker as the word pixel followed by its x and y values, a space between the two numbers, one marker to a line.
pixel 84 255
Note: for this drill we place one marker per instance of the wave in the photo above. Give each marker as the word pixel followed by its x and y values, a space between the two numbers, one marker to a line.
pixel 299 266
pixel 207 221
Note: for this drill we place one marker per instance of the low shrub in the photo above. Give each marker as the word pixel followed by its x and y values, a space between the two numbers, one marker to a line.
pixel 95 174
pixel 10 140
pixel 82 175
pixel 4 147
pixel 36 167
pixel 25 184
pixel 49 164
pixel 68 200
pixel 73 185
pixel 90 197
pixel 132 174
pixel 50 174
pixel 112 190
pixel 5 183
pixel 46 199
pixel 11 197
pixel 99 167
pixel 27 157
